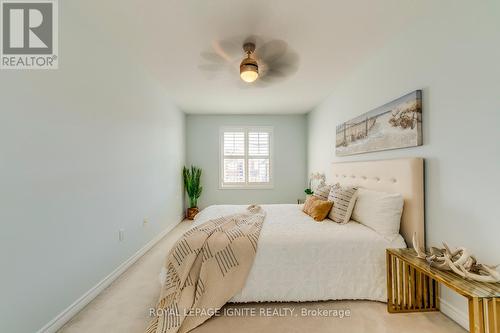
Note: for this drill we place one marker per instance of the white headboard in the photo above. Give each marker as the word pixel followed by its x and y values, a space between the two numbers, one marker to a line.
pixel 405 176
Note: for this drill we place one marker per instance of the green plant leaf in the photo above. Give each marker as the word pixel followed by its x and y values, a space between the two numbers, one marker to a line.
pixel 192 184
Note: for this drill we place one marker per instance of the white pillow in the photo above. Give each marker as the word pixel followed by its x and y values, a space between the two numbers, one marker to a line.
pixel 379 210
pixel 322 191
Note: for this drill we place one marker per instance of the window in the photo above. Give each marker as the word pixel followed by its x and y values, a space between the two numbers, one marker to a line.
pixel 245 157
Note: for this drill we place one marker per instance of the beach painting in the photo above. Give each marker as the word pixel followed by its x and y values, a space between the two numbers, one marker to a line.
pixel 397 124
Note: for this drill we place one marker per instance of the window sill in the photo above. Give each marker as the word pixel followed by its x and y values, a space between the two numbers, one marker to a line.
pixel 246 187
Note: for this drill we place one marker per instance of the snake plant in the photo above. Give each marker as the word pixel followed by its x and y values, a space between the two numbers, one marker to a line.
pixel 192 183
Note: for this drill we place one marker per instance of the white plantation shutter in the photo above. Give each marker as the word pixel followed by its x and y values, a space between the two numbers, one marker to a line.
pixel 234 146
pixel 258 146
pixel 234 170
pixel 258 143
pixel 234 143
pixel 258 170
pixel 245 157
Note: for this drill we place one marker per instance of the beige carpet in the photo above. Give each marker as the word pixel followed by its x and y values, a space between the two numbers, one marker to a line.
pixel 123 307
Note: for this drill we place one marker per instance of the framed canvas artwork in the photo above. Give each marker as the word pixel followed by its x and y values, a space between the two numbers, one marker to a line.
pixel 397 124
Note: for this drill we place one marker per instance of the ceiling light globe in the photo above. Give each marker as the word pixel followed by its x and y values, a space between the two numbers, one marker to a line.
pixel 249 70
pixel 249 75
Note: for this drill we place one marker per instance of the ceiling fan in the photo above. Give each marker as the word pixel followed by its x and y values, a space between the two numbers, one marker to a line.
pixel 249 68
pixel 260 63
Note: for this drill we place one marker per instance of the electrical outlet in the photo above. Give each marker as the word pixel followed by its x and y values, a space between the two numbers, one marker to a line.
pixel 121 235
pixel 145 222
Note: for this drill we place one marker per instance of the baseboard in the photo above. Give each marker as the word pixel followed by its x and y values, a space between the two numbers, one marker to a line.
pixel 455 314
pixel 62 318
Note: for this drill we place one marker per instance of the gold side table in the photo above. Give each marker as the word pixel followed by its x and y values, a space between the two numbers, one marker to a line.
pixel 413 286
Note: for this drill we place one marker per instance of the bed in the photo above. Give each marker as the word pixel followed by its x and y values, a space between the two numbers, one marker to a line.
pixel 299 259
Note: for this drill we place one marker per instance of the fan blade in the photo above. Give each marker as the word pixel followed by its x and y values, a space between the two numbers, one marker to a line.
pixel 232 48
pixel 212 57
pixel 271 74
pixel 211 67
pixel 281 68
pixel 227 49
pixel 271 51
pixel 290 59
pixel 217 62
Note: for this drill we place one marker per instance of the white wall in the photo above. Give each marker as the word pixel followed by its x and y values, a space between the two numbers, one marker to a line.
pixel 85 150
pixel 289 140
pixel 453 55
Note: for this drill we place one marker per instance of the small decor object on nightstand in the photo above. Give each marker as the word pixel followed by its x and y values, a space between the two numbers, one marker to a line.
pixel 192 183
pixel 460 261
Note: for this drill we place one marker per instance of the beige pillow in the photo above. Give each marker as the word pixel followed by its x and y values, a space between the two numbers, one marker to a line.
pixel 318 209
pixel 322 191
pixel 343 198
pixel 309 201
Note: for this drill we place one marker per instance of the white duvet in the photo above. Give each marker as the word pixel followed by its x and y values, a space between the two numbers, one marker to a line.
pixel 299 259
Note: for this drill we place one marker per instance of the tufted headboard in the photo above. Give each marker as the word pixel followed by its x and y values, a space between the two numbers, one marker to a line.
pixel 405 176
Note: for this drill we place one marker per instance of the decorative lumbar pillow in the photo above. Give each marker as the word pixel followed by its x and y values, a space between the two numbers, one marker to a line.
pixel 380 211
pixel 343 198
pixel 322 191
pixel 319 209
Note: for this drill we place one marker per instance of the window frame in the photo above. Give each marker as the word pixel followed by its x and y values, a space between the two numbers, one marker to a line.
pixel 246 185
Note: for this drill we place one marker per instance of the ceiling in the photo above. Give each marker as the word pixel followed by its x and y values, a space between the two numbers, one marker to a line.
pixel 330 37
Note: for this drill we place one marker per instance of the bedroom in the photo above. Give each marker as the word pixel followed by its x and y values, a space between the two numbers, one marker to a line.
pixel 93 148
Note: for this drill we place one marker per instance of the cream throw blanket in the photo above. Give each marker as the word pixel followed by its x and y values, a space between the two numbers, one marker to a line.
pixel 205 269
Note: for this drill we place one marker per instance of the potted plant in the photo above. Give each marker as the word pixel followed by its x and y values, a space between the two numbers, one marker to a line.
pixel 308 192
pixel 193 187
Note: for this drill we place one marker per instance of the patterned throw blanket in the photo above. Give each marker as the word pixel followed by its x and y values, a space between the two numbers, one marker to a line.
pixel 205 269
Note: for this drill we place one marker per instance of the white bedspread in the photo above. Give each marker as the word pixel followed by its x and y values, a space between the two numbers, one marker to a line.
pixel 299 259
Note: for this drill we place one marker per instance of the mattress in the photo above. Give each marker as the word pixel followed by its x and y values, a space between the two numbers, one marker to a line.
pixel 299 259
